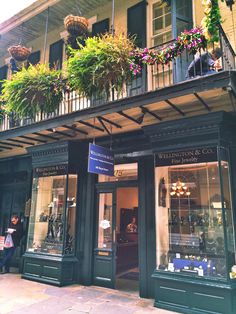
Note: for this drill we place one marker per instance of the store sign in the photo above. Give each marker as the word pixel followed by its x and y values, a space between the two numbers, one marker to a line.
pixel 51 171
pixel 191 156
pixel 100 160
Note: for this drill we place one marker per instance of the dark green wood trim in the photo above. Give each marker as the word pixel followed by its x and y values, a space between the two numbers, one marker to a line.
pixel 216 128
pixel 51 269
pixel 147 235
pixel 86 221
pixel 185 294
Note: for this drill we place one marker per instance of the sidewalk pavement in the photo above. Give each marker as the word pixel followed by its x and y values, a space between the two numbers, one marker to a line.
pixel 18 296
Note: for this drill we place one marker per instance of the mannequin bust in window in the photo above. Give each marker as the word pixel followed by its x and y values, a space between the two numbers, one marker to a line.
pixel 132 226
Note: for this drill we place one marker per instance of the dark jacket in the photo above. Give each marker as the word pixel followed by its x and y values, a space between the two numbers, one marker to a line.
pixel 17 235
pixel 202 65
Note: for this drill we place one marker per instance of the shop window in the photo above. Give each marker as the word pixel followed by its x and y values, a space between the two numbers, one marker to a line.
pixel 122 172
pixel 105 221
pixel 71 215
pixel 194 221
pixel 53 212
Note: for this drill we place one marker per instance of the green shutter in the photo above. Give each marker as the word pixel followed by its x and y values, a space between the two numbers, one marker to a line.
pixel 3 75
pixel 100 27
pixel 55 54
pixel 34 58
pixel 137 22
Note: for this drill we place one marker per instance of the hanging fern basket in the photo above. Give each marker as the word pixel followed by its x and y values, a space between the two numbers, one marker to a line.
pixel 76 25
pixel 19 53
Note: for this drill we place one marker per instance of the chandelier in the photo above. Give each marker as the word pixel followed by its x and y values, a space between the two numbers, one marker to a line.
pixel 179 189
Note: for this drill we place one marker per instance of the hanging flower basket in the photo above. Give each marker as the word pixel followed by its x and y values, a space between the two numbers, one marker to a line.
pixel 76 25
pixel 19 53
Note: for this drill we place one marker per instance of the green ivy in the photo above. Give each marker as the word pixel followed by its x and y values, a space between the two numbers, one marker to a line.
pixel 212 19
pixel 36 89
pixel 101 64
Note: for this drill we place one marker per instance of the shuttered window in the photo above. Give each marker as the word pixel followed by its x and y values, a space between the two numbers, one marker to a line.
pixel 55 54
pixel 34 58
pixel 137 23
pixel 3 75
pixel 100 27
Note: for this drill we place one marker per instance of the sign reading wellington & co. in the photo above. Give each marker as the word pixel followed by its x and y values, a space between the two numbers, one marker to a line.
pixel 191 156
pixel 100 160
pixel 51 171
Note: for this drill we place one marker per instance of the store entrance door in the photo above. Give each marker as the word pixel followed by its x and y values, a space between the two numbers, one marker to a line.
pixel 116 244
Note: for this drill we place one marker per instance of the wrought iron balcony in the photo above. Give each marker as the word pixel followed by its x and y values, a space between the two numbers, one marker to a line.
pixel 153 78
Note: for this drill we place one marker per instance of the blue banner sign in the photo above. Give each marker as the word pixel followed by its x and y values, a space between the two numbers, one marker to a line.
pixel 100 160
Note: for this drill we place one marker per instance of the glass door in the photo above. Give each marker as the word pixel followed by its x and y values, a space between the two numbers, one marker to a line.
pixel 105 248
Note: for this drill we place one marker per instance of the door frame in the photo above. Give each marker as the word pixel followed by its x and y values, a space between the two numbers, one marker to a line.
pixel 107 257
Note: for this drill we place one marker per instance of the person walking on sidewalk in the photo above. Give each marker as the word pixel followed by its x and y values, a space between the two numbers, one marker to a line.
pixel 15 231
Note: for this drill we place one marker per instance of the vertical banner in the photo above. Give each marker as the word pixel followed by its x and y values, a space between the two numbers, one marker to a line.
pixel 100 160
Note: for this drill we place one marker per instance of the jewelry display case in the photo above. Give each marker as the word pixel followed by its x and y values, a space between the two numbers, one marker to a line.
pixel 193 210
pixel 52 218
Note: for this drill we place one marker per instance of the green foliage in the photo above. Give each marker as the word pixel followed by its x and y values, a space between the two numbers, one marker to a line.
pixel 2 111
pixel 212 19
pixel 33 90
pixel 102 64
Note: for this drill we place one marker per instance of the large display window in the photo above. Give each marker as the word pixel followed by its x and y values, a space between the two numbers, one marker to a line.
pixel 53 211
pixel 195 233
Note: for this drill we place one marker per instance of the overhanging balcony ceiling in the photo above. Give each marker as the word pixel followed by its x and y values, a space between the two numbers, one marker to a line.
pixel 204 95
pixel 33 19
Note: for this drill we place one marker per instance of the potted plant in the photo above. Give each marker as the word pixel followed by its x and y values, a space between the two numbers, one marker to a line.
pixel 37 89
pixel 102 64
pixel 19 53
pixel 76 25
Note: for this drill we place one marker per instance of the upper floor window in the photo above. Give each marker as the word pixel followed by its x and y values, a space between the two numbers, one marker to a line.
pixel 34 58
pixel 162 28
pixel 3 75
pixel 168 21
pixel 56 54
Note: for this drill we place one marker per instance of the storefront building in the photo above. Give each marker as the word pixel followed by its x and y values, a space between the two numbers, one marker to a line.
pixel 164 224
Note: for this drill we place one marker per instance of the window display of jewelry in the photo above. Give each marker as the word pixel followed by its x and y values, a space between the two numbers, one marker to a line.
pixel 195 264
pixel 196 244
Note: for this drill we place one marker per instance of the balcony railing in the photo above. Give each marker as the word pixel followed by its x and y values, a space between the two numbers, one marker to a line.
pixel 155 77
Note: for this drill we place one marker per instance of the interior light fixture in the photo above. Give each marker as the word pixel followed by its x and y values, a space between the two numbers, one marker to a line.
pixel 179 189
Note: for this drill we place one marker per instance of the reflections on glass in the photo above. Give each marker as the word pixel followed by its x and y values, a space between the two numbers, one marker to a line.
pixel 71 214
pixel 184 8
pixel 228 211
pixel 105 221
pixel 190 234
pixel 121 173
pixel 161 24
pixel 47 218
